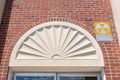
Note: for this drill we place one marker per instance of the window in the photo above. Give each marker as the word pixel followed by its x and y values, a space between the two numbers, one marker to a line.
pixel 56 76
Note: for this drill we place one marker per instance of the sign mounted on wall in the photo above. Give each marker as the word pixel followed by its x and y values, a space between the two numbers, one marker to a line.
pixel 103 31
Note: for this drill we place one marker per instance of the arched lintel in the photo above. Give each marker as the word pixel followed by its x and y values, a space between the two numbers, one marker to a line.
pixel 58 65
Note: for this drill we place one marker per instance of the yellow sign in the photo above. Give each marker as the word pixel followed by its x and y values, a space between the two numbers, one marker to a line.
pixel 103 31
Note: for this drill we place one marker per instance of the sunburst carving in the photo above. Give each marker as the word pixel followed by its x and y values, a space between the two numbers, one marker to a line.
pixel 56 42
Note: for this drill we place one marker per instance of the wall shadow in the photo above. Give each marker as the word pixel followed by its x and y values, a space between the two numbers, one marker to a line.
pixel 4 25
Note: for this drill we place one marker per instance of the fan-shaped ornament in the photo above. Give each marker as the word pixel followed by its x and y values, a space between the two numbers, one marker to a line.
pixel 55 41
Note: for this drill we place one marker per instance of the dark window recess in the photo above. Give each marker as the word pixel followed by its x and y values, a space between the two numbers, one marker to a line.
pixel 90 78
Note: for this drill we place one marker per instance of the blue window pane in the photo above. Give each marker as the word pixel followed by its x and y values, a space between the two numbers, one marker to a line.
pixel 72 78
pixel 34 78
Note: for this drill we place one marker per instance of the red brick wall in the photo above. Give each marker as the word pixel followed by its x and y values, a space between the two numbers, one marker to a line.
pixel 21 15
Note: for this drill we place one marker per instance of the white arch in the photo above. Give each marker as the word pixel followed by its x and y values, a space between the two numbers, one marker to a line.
pixel 29 55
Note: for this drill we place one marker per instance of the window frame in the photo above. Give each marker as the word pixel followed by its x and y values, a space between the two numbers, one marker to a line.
pixel 57 75
pixel 34 74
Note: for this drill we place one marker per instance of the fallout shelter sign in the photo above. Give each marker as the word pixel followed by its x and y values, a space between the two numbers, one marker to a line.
pixel 103 31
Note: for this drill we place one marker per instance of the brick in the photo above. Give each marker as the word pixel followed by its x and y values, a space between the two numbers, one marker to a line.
pixel 22 15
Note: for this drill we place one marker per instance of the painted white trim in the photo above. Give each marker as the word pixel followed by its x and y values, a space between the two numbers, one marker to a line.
pixel 34 74
pixel 10 74
pixel 103 75
pixel 79 74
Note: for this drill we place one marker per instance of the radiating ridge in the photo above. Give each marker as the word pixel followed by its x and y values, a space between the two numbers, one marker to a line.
pixel 56 42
